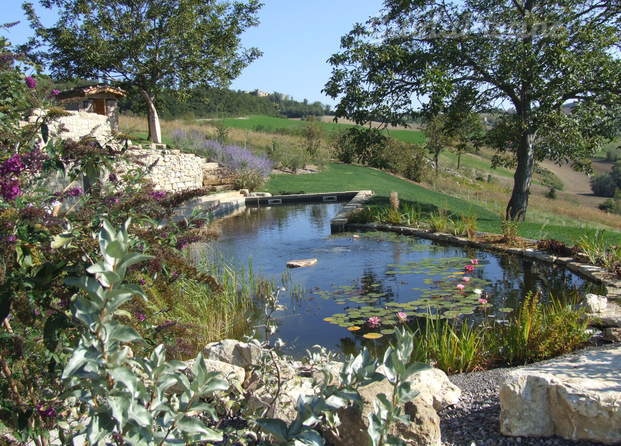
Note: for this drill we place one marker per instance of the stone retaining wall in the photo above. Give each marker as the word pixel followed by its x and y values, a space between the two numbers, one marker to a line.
pixel 171 170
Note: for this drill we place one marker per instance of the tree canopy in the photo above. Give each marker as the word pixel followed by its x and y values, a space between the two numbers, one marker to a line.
pixel 148 44
pixel 530 56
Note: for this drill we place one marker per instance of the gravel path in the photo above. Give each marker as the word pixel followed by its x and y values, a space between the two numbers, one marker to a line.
pixel 475 417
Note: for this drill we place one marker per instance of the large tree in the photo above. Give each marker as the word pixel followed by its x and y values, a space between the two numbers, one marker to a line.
pixel 148 44
pixel 532 57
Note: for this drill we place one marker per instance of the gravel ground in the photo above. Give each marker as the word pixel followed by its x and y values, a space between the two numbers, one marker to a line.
pixel 475 417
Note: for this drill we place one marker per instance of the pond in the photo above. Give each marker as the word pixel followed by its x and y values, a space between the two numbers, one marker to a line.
pixel 365 284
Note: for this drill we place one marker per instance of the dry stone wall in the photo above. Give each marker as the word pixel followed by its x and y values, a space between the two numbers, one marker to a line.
pixel 171 170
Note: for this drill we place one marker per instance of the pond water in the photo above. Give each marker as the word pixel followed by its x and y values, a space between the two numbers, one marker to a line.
pixel 374 275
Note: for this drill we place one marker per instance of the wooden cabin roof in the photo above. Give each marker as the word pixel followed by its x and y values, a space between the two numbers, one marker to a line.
pixel 90 90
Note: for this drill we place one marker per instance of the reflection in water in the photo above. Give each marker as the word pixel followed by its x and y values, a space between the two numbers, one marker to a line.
pixel 374 275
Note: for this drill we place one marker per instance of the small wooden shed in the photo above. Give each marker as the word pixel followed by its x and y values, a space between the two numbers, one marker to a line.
pixel 100 99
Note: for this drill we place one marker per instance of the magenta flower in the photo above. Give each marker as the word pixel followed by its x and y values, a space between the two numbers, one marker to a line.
pixel 402 317
pixel 12 165
pixel 158 194
pixel 460 286
pixel 474 261
pixel 31 82
pixel 11 238
pixel 469 268
pixel 374 321
pixel 55 92
pixel 74 192
pixel 46 412
pixel 141 317
pixel 10 189
pixel 483 301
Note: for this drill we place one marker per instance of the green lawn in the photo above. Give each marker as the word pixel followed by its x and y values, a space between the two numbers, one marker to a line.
pixel 342 177
pixel 271 124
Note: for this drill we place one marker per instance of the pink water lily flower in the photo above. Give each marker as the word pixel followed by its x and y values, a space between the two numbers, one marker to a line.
pixel 460 286
pixel 483 301
pixel 402 317
pixel 374 321
pixel 474 261
pixel 469 268
pixel 465 279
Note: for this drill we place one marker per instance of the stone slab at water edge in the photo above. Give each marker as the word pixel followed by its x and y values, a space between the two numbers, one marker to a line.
pixel 302 263
pixel 577 397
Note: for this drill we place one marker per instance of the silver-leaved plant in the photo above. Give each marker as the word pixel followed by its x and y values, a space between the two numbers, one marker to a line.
pixel 120 398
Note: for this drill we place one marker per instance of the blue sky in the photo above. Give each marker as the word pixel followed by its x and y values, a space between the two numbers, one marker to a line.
pixel 296 37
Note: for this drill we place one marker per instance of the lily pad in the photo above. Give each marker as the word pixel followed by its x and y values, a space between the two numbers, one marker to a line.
pixel 372 335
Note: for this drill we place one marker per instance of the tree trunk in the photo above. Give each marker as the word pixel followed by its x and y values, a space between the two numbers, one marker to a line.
pixel 516 209
pixel 436 158
pixel 458 159
pixel 155 133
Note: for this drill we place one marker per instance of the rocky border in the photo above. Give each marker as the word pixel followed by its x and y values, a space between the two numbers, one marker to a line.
pixel 591 272
pixel 340 221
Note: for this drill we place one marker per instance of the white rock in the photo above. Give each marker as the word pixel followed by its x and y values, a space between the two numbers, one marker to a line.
pixel 435 388
pixel 301 263
pixel 595 303
pixel 577 397
pixel 231 351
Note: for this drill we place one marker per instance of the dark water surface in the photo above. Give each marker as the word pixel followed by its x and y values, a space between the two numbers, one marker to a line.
pixel 374 275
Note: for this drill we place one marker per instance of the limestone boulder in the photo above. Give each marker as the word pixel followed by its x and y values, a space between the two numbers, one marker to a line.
pixel 610 316
pixel 576 397
pixel 422 430
pixel 432 384
pixel 301 263
pixel 595 303
pixel 233 374
pixel 231 351
pixel 435 388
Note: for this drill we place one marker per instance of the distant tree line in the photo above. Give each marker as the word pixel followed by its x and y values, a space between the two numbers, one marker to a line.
pixel 218 102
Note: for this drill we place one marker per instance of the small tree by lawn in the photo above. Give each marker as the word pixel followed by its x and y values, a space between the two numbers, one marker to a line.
pixel 147 44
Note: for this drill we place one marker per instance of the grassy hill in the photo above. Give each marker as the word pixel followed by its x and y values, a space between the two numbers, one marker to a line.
pixel 270 124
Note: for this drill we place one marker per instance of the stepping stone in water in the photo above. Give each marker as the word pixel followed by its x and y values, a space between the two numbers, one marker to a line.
pixel 301 263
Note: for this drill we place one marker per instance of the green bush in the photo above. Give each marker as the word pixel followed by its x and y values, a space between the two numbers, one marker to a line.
pixel 249 179
pixel 539 331
pixel 603 185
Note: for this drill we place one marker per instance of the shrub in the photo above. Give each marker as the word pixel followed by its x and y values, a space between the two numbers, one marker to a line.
pixel 613 155
pixel 551 194
pixel 539 331
pixel 454 349
pixel 510 229
pixel 593 246
pixel 293 160
pixel 237 158
pixel 313 134
pixel 439 221
pixel 362 216
pixel 248 179
pixel 603 185
pixel 411 214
